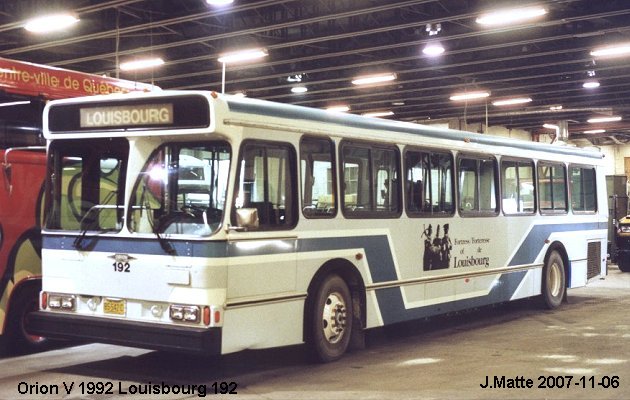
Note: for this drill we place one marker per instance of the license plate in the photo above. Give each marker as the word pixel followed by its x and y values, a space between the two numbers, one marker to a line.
pixel 114 307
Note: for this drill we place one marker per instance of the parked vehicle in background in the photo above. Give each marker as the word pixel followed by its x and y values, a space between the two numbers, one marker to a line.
pixel 24 90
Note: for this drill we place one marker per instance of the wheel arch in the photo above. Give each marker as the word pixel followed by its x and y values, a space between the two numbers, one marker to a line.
pixel 351 276
pixel 558 247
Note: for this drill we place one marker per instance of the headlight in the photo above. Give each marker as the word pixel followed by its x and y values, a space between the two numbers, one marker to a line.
pixel 61 301
pixel 184 313
pixel 625 228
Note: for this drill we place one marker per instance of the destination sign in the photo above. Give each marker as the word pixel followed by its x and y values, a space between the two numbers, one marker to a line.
pixel 155 113
pixel 129 116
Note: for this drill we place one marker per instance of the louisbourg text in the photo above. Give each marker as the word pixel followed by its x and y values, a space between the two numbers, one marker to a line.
pixel 504 382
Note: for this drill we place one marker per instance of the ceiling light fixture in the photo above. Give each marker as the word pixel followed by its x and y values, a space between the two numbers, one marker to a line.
pixel 50 23
pixel 590 84
pixel 141 64
pixel 378 114
pixel 555 108
pixel 299 89
pixel 603 119
pixel 595 131
pixel 372 79
pixel 612 50
pixel 512 101
pixel 551 126
pixel 242 56
pixel 510 16
pixel 15 103
pixel 219 2
pixel 338 108
pixel 433 49
pixel 469 96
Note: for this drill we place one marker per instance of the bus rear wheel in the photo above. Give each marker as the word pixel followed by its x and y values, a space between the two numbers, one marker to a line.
pixel 553 281
pixel 331 319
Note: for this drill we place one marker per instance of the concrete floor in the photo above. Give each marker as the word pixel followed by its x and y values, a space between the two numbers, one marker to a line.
pixel 586 340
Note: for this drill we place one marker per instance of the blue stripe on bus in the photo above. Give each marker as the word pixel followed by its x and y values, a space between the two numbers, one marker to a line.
pixel 393 310
pixel 535 240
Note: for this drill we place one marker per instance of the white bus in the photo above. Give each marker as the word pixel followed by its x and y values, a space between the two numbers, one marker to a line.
pixel 221 224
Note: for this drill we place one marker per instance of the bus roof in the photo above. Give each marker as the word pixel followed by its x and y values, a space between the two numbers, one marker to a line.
pixel 254 108
pixel 30 79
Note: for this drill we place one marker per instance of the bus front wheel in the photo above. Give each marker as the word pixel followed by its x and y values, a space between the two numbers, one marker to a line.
pixel 330 319
pixel 553 281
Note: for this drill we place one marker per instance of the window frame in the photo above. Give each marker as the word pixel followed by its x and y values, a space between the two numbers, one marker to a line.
pixel 497 186
pixel 570 188
pixel 535 182
pixel 335 197
pixel 370 214
pixel 566 188
pixel 419 214
pixel 293 167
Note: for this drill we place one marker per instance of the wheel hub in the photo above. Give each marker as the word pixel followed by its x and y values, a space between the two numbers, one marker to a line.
pixel 334 318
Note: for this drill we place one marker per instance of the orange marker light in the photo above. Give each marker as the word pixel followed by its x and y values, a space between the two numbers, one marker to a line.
pixel 206 315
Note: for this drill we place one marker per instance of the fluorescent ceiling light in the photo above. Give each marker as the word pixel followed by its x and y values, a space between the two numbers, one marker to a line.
pixel 377 114
pixel 240 95
pixel 555 108
pixel 141 64
pixel 50 23
pixel 242 56
pixel 339 108
pixel 371 79
pixel 299 89
pixel 219 2
pixel 603 119
pixel 590 84
pixel 509 16
pixel 433 49
pixel 469 96
pixel 612 50
pixel 596 131
pixel 509 102
pixel 551 126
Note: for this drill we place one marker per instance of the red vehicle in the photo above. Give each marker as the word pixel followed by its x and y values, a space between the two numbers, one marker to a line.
pixel 24 90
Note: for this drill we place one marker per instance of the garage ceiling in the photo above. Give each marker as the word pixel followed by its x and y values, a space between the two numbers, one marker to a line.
pixel 330 42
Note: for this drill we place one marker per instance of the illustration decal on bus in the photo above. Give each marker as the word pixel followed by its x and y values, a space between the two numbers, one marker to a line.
pixel 437 250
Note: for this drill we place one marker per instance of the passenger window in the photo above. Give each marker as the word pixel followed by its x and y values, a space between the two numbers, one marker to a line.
pixel 552 186
pixel 267 183
pixel 477 186
pixel 583 190
pixel 428 183
pixel 517 184
pixel 370 181
pixel 318 178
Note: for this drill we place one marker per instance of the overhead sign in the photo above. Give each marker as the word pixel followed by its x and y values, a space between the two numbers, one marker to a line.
pixel 58 83
pixel 129 116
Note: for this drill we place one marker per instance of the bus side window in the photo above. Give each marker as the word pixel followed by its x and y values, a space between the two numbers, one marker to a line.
pixel 552 187
pixel 268 184
pixel 478 186
pixel 429 183
pixel 583 189
pixel 317 170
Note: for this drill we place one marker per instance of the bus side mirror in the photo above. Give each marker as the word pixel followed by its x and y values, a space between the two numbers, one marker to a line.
pixel 247 218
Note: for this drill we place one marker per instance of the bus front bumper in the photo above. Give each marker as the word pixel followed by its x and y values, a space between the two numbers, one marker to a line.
pixel 126 333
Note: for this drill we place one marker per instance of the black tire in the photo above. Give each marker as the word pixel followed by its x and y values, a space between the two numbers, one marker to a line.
pixel 553 281
pixel 623 262
pixel 17 331
pixel 330 319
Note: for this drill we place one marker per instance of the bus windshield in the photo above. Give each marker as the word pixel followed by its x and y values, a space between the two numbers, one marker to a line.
pixel 87 184
pixel 181 190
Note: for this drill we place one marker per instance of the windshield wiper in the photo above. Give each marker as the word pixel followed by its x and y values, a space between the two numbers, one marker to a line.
pixel 78 242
